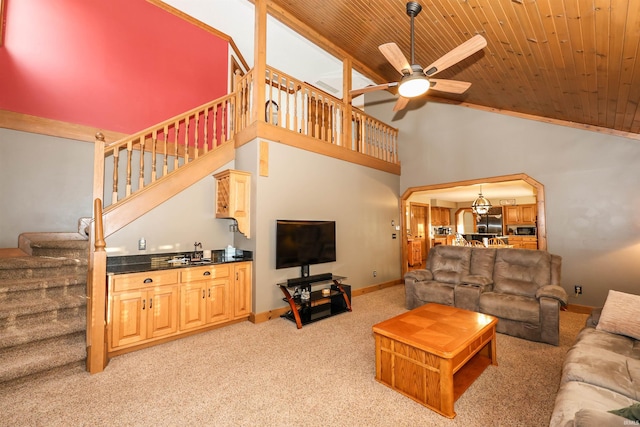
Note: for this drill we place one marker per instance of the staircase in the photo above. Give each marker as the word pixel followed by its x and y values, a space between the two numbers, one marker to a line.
pixel 43 306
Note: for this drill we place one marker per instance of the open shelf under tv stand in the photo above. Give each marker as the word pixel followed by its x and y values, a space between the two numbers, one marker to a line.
pixel 318 306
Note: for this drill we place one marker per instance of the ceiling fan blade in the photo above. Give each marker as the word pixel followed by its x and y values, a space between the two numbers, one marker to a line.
pixel 456 55
pixel 356 92
pixel 400 103
pixel 451 86
pixel 394 55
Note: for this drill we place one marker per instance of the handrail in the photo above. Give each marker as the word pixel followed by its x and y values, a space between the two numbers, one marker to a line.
pixel 302 108
pixel 153 154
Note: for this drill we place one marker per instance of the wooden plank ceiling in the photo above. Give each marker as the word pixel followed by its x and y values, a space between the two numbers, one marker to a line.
pixel 568 60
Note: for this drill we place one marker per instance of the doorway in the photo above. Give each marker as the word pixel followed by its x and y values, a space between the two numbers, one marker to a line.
pixel 418 240
pixel 537 189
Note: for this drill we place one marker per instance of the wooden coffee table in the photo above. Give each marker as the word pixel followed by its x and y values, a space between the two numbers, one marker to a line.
pixel 433 353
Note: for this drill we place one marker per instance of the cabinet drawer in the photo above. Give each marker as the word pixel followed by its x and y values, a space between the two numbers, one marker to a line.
pixel 124 282
pixel 205 273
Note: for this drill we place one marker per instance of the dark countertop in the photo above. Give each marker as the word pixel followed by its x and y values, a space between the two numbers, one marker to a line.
pixel 155 262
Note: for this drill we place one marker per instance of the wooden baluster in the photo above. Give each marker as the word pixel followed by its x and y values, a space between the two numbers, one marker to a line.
pixel 141 174
pixel 127 191
pixel 176 128
pixel 154 141
pixel 224 118
pixel 279 113
pixel 297 121
pixel 114 194
pixel 206 129
pixel 196 129
pixel 186 139
pixel 165 163
pixel 214 137
pixel 287 115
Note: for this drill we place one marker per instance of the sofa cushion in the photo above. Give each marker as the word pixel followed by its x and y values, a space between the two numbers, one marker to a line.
pixel 598 366
pixel 449 263
pixel 512 307
pixel 521 272
pixel 482 262
pixel 621 314
pixel 575 396
pixel 593 338
pixel 441 293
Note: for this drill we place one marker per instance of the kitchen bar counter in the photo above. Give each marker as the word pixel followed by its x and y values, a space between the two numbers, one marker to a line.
pixel 163 261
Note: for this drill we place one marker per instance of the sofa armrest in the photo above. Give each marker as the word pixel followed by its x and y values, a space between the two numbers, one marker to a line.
pixel 419 275
pixel 553 291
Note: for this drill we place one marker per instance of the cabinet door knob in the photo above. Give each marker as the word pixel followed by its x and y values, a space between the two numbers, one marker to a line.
pixel 144 303
pixel 150 302
pixel 148 280
pixel 206 273
pixel 209 292
pixel 203 294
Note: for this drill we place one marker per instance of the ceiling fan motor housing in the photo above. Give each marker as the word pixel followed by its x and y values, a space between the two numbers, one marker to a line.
pixel 413 8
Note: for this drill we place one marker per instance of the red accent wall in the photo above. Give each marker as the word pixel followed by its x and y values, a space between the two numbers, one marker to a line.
pixel 120 65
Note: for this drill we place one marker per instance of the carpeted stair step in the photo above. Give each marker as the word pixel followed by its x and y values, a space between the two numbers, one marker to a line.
pixel 34 267
pixel 43 308
pixel 41 356
pixel 61 248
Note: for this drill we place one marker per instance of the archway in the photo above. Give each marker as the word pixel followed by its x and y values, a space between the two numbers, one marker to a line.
pixel 537 188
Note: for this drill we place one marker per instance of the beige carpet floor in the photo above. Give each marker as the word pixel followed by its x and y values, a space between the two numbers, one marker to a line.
pixel 272 374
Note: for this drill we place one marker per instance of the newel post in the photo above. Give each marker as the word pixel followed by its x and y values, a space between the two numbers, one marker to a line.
pixel 97 270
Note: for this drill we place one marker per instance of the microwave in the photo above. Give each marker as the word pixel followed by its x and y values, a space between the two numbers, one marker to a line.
pixel 526 231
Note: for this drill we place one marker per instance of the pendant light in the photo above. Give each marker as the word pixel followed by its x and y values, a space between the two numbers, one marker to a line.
pixel 481 205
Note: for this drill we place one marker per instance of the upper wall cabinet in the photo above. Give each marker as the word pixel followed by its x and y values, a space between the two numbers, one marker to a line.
pixel 521 214
pixel 233 198
pixel 440 216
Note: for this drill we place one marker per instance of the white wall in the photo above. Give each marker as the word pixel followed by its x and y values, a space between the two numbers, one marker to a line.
pixel 591 182
pixel 45 184
pixel 303 185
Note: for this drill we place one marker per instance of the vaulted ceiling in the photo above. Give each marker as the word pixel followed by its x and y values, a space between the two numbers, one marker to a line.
pixel 567 60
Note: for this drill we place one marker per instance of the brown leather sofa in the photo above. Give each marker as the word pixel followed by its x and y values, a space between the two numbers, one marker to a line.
pixel 520 287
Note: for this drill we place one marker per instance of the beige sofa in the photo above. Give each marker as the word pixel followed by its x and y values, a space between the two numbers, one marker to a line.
pixel 601 372
pixel 520 287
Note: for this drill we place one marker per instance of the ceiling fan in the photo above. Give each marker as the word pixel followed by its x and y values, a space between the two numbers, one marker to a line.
pixel 415 80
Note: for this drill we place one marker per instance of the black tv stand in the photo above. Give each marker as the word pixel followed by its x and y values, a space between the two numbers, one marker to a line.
pixel 319 304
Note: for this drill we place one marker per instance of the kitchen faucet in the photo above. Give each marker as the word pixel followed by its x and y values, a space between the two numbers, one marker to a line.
pixel 196 255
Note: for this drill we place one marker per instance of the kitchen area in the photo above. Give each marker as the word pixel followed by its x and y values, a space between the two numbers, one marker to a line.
pixel 457 218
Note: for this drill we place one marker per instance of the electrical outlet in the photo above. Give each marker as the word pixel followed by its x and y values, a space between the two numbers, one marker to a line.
pixel 375 273
pixel 578 289
pixel 142 244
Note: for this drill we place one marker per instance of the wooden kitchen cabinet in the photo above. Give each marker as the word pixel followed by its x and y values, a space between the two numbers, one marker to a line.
pixel 414 252
pixel 520 214
pixel 143 307
pixel 440 217
pixel 204 296
pixel 242 289
pixel 524 242
pixel 156 305
pixel 233 198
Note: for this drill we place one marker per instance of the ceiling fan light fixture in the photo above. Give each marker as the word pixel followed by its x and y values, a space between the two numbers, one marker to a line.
pixel 413 85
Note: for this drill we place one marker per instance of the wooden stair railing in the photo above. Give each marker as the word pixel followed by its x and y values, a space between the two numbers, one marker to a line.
pixel 147 177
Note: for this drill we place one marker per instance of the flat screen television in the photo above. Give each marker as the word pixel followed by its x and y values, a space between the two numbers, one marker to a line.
pixel 302 243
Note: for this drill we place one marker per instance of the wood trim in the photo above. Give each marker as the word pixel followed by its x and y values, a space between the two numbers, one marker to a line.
pixel 294 139
pixel 582 309
pixel 574 125
pixel 539 188
pixel 190 19
pixel 3 21
pixel 33 124
pixel 133 207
